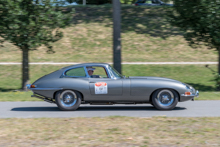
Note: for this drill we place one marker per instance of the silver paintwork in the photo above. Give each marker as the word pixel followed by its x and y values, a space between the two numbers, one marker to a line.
pixel 122 89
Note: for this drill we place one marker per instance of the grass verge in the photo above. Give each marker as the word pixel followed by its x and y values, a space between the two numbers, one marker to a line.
pixel 196 75
pixel 110 131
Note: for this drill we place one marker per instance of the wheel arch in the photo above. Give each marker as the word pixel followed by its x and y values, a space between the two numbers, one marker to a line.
pixel 151 95
pixel 82 97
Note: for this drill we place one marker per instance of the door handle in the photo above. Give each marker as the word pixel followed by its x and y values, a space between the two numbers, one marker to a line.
pixel 91 82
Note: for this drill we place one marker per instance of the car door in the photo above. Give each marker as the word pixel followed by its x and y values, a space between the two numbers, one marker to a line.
pixel 102 84
pixel 105 86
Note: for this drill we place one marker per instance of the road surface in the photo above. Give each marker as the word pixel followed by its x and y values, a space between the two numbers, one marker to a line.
pixel 44 109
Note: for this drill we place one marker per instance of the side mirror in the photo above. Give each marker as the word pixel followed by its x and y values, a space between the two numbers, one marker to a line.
pixel 124 76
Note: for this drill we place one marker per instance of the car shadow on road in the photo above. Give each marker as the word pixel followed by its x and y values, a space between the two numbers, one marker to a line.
pixel 96 108
pixel 123 108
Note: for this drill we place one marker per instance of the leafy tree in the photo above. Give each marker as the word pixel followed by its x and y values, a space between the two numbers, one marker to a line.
pixel 200 21
pixel 29 24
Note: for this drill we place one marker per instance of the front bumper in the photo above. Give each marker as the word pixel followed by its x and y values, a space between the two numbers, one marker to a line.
pixel 184 97
pixel 196 94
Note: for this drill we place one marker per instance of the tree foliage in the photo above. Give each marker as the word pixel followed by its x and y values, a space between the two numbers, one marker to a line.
pixel 200 22
pixel 32 24
pixel 199 19
pixel 29 24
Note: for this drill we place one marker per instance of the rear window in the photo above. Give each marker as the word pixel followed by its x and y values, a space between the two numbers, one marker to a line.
pixel 76 72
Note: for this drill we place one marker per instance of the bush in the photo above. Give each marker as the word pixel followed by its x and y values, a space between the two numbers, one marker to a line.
pixel 128 1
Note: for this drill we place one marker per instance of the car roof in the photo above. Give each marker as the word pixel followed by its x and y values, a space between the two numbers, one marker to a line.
pixel 86 64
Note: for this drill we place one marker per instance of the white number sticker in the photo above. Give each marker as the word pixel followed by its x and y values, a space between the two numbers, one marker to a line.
pixel 101 88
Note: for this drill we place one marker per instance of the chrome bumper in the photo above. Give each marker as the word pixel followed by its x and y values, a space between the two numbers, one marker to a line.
pixel 195 95
pixel 29 87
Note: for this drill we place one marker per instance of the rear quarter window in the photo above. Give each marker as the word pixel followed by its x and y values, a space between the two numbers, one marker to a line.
pixel 76 72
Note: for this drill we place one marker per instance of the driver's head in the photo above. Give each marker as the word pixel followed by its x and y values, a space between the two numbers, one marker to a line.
pixel 90 70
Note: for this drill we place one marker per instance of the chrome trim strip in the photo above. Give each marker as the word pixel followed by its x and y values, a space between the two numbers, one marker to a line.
pixel 107 70
pixel 64 75
pixel 45 88
pixel 87 75
pixel 197 93
pixel 188 95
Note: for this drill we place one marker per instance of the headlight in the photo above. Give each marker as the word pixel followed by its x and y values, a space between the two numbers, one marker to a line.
pixel 188 87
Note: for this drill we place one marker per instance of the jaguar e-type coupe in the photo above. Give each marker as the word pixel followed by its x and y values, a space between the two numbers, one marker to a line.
pixel 101 84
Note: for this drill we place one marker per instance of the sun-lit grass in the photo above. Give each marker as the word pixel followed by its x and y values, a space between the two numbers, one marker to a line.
pixel 110 131
pixel 146 36
pixel 196 75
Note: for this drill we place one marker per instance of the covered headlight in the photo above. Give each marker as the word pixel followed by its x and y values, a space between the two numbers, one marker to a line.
pixel 188 87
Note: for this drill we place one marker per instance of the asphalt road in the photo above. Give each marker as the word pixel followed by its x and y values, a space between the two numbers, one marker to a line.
pixel 44 109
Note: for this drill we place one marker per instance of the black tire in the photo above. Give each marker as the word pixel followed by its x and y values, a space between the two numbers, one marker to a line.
pixel 68 100
pixel 165 99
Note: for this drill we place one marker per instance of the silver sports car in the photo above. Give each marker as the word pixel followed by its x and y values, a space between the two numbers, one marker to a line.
pixel 101 84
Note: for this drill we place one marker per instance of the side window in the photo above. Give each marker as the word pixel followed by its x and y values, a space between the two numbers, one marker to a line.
pixel 76 72
pixel 96 72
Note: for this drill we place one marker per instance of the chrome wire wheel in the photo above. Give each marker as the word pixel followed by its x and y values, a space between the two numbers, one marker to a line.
pixel 165 97
pixel 68 98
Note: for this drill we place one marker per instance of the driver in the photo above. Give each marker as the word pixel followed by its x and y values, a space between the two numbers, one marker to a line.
pixel 90 71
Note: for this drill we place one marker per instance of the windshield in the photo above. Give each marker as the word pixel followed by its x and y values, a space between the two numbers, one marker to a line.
pixel 114 73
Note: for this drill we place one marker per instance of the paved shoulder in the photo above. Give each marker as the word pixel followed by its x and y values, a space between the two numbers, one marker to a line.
pixel 43 109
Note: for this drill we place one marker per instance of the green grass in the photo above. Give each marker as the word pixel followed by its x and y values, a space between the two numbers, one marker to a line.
pixel 196 75
pixel 146 36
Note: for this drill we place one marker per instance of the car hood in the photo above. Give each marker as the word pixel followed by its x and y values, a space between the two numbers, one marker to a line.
pixel 155 78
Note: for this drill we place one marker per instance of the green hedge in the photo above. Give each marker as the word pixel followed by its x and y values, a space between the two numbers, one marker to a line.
pixel 128 1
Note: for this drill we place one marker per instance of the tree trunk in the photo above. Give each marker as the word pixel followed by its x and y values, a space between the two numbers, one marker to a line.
pixel 218 83
pixel 218 60
pixel 84 2
pixel 117 35
pixel 25 68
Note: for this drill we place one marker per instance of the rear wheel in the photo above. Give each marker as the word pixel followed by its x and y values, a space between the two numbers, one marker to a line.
pixel 68 100
pixel 165 99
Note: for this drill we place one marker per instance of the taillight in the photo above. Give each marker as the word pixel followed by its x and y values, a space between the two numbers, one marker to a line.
pixel 136 4
pixel 33 86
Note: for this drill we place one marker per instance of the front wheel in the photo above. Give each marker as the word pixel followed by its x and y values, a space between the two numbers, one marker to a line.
pixel 68 100
pixel 165 99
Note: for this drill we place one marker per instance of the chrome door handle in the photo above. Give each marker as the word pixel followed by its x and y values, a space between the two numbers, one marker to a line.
pixel 91 82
